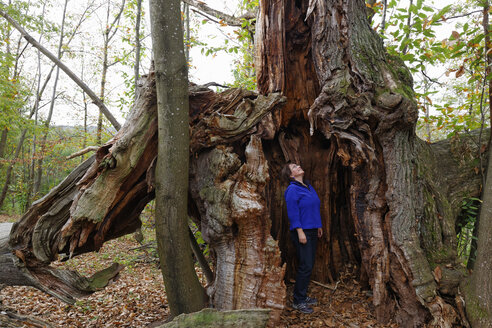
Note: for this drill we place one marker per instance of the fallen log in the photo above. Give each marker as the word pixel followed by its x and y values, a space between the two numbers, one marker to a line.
pixel 103 197
pixel 211 318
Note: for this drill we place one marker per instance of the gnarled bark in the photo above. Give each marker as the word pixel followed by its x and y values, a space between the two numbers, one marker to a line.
pixel 385 205
pixel 103 197
pixel 389 201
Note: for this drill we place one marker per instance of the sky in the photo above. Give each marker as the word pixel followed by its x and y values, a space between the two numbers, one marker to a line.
pixel 203 69
pixel 216 68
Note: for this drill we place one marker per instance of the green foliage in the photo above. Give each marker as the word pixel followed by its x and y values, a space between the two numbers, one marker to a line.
pixel 416 43
pixel 466 225
pixel 244 71
pixel 199 239
pixel 454 102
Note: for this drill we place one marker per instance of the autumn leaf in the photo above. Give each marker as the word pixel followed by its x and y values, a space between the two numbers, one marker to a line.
pixel 437 273
pixel 455 35
pixel 460 71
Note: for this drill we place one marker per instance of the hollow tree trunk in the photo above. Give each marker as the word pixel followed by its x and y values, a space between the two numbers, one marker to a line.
pixel 381 201
pixel 234 193
pixel 347 115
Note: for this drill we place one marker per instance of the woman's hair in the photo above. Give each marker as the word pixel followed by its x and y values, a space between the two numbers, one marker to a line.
pixel 286 172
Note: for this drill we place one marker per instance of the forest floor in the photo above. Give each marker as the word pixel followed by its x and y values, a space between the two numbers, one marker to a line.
pixel 136 298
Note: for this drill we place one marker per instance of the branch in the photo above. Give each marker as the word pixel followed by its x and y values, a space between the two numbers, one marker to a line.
pixel 82 152
pixel 326 286
pixel 74 77
pixel 459 16
pixel 225 18
pixel 114 24
pixel 431 79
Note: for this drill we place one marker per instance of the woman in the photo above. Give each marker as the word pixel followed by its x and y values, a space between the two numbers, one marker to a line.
pixel 303 209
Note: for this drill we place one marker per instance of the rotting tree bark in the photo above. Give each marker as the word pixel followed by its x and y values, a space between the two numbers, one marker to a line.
pixel 390 201
pixel 80 214
pixel 382 204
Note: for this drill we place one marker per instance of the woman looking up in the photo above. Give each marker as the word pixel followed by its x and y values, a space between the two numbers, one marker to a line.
pixel 303 210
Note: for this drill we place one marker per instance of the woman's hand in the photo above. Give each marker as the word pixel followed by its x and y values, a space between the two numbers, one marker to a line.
pixel 320 232
pixel 301 235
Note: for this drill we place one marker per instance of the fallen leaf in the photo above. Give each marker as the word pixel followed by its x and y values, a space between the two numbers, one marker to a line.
pixel 437 273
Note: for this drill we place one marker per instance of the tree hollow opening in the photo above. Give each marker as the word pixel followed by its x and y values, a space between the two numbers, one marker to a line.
pixel 327 171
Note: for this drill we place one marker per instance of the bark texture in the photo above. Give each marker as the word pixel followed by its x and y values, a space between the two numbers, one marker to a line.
pixel 331 100
pixel 383 202
pixel 184 292
pixel 79 215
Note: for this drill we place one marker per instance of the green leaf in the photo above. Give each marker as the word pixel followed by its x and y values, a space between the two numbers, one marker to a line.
pixel 408 57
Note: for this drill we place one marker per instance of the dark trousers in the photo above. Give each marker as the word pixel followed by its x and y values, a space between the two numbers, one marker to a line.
pixel 305 257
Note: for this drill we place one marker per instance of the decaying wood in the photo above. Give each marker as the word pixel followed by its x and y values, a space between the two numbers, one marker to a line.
pixel 9 319
pixel 230 197
pixel 347 114
pixel 103 197
pixel 210 318
pixel 350 122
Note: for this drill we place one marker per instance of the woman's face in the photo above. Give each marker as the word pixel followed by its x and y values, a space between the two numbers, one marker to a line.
pixel 295 170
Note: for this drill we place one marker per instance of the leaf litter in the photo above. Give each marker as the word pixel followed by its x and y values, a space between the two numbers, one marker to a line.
pixel 137 298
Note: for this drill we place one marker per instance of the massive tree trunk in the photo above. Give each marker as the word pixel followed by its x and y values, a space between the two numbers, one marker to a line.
pixel 350 122
pixel 347 115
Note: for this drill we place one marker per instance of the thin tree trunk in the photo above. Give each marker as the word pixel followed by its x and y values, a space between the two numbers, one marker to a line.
pixel 478 290
pixel 39 175
pixel 74 77
pixel 84 102
pixel 103 74
pixel 109 33
pixel 8 173
pixel 3 142
pixel 383 19
pixel 183 289
pixel 409 26
pixel 32 164
pixel 3 137
pixel 137 44
pixel 202 261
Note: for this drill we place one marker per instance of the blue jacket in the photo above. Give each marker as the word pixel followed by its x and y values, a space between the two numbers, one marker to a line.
pixel 303 206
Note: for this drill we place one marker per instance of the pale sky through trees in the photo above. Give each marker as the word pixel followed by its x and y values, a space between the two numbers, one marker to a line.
pixel 85 50
pixel 216 68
